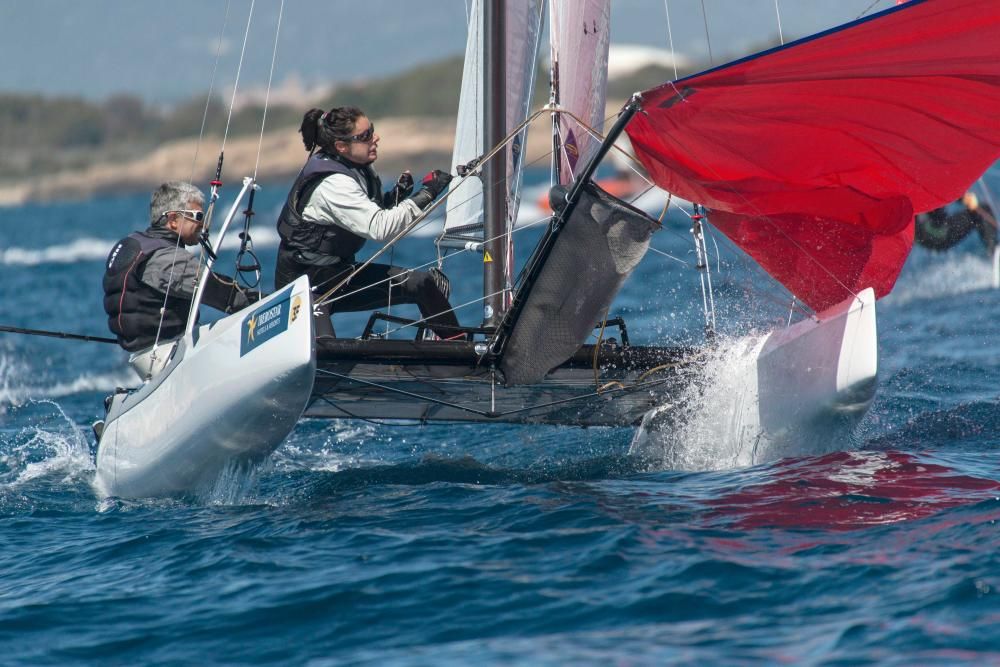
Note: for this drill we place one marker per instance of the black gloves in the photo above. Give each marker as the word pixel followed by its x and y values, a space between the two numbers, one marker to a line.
pixel 399 192
pixel 435 182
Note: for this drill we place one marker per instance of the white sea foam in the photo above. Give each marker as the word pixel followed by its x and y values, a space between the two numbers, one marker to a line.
pixel 16 387
pixel 51 445
pixel 343 447
pixel 80 250
pixel 90 249
pixel 712 423
pixel 946 274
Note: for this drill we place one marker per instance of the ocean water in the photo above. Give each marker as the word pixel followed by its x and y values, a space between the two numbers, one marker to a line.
pixel 369 543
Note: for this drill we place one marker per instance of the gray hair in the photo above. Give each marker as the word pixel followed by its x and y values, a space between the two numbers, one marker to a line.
pixel 172 196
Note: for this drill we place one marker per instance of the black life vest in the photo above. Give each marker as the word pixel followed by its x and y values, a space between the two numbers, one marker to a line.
pixel 323 244
pixel 133 307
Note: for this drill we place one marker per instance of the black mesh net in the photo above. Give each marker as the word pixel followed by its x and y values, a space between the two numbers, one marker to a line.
pixel 599 246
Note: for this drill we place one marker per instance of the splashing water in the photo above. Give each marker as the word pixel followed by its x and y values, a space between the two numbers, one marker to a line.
pixel 18 384
pixel 52 445
pixel 713 422
pixel 947 275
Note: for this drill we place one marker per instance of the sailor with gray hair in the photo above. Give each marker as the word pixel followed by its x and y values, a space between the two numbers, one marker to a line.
pixel 150 279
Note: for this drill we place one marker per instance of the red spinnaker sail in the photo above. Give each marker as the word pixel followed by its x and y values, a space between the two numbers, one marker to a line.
pixel 813 157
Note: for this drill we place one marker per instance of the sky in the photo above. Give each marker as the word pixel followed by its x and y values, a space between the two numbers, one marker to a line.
pixel 166 51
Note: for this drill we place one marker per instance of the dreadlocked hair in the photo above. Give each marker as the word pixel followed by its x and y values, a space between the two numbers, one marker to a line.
pixel 321 128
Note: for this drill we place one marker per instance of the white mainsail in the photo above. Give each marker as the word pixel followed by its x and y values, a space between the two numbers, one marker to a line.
pixel 579 36
pixel 523 21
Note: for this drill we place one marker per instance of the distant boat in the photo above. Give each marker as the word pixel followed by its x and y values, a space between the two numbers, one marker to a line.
pixel 943 228
pixel 812 158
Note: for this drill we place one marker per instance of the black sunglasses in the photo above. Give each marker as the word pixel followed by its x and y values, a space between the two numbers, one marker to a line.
pixel 363 138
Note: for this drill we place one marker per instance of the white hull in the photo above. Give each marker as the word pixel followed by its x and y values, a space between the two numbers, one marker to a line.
pixel 817 375
pixel 798 391
pixel 224 398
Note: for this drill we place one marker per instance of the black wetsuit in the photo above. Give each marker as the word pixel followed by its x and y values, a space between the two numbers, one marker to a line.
pixel 944 227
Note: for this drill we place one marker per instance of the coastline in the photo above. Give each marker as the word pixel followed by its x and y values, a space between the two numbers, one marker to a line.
pixel 417 144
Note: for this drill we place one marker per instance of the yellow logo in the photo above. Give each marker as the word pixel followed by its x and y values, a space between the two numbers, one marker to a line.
pixel 296 306
pixel 487 257
pixel 251 325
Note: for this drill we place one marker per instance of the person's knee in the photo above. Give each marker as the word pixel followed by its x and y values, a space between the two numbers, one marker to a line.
pixel 433 282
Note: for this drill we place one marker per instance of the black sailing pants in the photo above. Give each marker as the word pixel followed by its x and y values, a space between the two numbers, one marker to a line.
pixel 375 286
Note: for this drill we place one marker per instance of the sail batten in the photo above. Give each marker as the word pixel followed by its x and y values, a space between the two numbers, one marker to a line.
pixel 813 157
pixel 579 40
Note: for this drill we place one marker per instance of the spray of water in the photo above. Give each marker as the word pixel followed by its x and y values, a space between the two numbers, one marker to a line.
pixel 52 446
pixel 712 423
pixel 944 274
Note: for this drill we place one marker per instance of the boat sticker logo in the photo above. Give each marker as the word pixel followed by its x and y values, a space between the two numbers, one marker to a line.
pixel 296 306
pixel 265 323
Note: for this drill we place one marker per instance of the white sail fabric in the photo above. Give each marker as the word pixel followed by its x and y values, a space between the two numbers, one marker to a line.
pixel 523 19
pixel 579 34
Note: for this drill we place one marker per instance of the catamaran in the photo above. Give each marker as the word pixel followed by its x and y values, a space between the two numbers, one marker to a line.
pixel 811 157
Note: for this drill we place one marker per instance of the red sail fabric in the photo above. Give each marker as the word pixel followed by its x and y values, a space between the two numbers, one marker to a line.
pixel 813 157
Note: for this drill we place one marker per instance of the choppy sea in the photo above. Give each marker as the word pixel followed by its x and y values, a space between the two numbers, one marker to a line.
pixel 363 543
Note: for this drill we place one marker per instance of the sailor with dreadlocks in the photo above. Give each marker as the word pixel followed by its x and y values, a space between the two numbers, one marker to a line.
pixel 149 278
pixel 335 205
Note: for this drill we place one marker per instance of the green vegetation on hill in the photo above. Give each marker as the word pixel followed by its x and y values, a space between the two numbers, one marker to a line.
pixel 42 134
pixel 426 90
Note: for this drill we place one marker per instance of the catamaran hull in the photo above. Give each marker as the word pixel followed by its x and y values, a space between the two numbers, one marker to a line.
pixel 229 396
pixel 823 372
pixel 798 391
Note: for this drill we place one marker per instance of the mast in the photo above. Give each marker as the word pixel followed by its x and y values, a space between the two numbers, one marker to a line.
pixel 495 170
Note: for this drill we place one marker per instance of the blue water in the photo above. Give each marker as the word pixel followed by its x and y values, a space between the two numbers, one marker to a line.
pixel 366 543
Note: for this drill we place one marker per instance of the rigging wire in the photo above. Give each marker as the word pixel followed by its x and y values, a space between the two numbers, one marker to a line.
pixel 211 89
pixel 239 69
pixel 867 9
pixel 246 242
pixel 761 216
pixel 708 39
pixel 777 11
pixel 424 221
pixel 267 95
pixel 194 162
pixel 670 36
pixel 434 206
